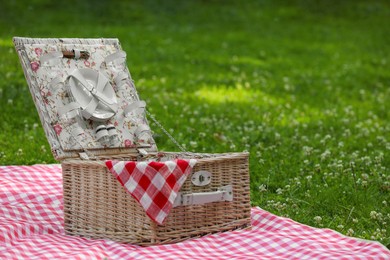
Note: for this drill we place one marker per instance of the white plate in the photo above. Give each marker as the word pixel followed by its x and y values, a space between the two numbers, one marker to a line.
pixel 84 97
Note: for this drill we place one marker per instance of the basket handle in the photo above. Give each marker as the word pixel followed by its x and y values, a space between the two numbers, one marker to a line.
pixel 224 193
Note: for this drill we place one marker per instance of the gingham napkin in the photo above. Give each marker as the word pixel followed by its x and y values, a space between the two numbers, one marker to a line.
pixel 154 185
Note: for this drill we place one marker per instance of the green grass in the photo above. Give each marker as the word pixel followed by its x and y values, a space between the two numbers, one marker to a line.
pixel 303 85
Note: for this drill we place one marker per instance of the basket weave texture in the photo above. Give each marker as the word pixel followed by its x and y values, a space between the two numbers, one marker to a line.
pixel 97 206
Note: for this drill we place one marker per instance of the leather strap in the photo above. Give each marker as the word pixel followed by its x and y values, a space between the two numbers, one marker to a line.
pixel 72 54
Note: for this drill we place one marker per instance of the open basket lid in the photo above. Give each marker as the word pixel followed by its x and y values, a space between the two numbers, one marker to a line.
pixel 85 97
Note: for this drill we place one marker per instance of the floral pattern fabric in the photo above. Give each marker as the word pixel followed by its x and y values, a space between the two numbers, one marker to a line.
pixel 68 134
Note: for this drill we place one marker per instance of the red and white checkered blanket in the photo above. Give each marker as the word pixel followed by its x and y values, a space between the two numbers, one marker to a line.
pixel 154 185
pixel 31 227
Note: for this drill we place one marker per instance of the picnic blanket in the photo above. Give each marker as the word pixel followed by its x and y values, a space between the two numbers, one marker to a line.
pixel 31 227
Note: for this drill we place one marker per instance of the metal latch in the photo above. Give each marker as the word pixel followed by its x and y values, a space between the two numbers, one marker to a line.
pixel 201 178
pixel 224 193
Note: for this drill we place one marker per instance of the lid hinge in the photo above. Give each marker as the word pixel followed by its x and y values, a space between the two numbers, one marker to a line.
pixel 84 156
pixel 142 152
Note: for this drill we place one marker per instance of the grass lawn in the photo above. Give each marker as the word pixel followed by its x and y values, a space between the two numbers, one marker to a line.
pixel 303 85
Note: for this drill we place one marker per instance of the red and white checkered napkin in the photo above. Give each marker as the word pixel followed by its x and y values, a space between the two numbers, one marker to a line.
pixel 154 185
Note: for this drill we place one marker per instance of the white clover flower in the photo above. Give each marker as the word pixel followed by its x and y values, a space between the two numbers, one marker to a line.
pixel 317 219
pixel 262 188
pixel 340 226
pixel 355 154
pixel 325 155
pixel 381 139
pixel 347 133
pixel 340 166
pixel 270 202
pixel 373 214
pixel 279 191
pixel 350 232
pixel 261 161
pixel 307 150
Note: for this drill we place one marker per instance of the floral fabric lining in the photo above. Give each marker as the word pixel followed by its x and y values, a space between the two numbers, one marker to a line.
pixel 76 133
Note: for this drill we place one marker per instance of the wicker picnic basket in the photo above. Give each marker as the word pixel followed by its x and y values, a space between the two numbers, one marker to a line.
pixel 214 198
